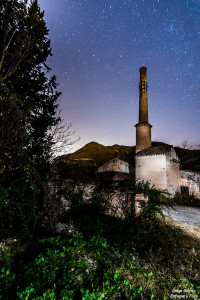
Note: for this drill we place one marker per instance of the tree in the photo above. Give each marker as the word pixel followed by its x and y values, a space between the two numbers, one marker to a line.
pixel 185 144
pixel 62 138
pixel 28 104
pixel 197 146
pixel 23 73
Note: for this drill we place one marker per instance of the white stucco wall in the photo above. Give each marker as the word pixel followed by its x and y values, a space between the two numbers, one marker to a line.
pixel 152 169
pixel 172 172
pixel 191 180
pixel 163 171
pixel 115 165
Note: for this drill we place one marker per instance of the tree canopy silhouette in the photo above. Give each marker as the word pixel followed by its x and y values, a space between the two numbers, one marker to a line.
pixel 28 104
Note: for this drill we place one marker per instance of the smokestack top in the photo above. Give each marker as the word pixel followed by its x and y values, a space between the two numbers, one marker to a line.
pixel 143 68
pixel 143 74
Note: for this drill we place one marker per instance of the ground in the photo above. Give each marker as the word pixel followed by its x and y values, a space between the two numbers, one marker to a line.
pixel 187 218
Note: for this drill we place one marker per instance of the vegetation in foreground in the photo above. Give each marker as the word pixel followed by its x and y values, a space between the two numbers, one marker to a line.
pixel 106 258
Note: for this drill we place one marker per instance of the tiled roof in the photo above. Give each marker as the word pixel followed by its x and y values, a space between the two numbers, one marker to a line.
pixel 154 151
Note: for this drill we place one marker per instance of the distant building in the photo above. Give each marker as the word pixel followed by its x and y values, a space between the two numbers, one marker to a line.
pixel 114 165
pixel 159 165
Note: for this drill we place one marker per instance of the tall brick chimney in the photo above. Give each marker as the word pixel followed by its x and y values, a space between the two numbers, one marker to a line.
pixel 143 128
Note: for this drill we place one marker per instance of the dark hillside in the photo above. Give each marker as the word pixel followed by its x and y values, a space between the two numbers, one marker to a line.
pixel 94 154
pixel 190 159
pixel 99 154
pixel 83 163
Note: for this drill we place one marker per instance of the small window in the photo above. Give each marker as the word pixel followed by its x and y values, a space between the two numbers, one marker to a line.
pixel 184 190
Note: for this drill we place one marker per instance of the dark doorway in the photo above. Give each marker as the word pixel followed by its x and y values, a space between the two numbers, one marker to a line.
pixel 184 190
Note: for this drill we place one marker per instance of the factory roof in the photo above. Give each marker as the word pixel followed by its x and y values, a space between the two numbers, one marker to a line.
pixel 155 150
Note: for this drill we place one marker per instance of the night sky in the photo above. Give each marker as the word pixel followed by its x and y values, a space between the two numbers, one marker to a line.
pixel 98 48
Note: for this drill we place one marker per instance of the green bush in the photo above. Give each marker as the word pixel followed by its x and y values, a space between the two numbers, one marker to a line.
pixel 19 205
pixel 70 268
pixel 97 268
pixel 186 200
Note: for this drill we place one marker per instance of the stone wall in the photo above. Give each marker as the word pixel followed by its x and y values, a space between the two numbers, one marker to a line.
pixel 114 165
pixel 190 180
pixel 140 199
pixel 115 195
pixel 112 189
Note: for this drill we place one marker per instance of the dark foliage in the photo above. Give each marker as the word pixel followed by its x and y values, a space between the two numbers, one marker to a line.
pixel 27 111
pixel 186 200
pixel 107 259
pixel 190 159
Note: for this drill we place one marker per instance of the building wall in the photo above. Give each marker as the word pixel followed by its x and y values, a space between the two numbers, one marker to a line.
pixel 190 180
pixel 115 165
pixel 172 172
pixel 152 169
pixel 163 171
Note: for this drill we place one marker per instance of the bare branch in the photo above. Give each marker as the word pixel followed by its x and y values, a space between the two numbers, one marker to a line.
pixel 23 51
pixel 197 146
pixel 6 48
pixel 185 144
pixel 62 138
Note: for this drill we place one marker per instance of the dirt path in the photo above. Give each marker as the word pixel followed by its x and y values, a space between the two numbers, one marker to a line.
pixel 187 218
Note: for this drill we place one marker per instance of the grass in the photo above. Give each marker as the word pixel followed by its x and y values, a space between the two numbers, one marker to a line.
pixel 106 259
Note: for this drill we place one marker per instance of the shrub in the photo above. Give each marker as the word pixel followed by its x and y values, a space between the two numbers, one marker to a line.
pixel 186 200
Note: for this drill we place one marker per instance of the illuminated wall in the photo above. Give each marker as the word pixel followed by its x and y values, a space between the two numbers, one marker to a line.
pixel 161 170
pixel 115 165
pixel 152 169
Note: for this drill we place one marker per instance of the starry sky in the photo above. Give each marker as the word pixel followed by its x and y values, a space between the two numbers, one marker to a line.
pixel 98 47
